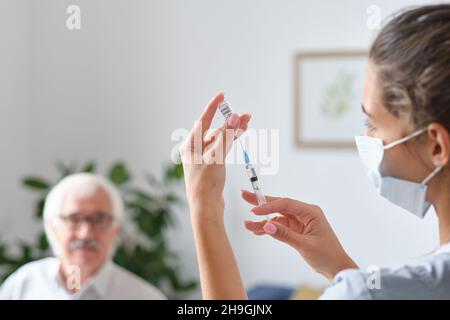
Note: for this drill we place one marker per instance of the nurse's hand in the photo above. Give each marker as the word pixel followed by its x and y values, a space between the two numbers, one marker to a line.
pixel 203 157
pixel 304 227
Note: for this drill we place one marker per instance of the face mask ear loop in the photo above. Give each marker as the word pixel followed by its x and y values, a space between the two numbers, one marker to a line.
pixel 432 174
pixel 404 139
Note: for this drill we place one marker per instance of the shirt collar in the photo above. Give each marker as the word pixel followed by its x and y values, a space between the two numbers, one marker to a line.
pixel 443 248
pixel 99 282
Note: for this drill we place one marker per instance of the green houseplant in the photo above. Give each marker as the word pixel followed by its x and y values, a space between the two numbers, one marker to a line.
pixel 150 213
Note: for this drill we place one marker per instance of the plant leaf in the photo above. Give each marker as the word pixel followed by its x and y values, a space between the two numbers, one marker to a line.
pixel 89 167
pixel 174 172
pixel 36 183
pixel 40 208
pixel 42 242
pixel 119 174
pixel 64 169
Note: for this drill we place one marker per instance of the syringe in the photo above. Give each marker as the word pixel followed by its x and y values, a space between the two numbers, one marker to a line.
pixel 251 172
pixel 225 109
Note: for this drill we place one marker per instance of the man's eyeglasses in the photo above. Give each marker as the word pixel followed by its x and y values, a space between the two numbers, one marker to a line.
pixel 99 221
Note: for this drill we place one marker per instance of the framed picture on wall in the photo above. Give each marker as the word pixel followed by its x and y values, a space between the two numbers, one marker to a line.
pixel 328 90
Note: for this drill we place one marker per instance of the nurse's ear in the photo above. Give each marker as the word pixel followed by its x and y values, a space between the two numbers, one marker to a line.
pixel 439 137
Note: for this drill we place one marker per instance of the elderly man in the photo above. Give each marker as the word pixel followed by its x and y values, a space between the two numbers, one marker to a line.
pixel 82 218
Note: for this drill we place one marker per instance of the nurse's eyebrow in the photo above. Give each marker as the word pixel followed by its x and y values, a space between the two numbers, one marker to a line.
pixel 365 111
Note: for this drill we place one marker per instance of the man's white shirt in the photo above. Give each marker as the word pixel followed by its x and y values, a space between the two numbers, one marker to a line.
pixel 41 280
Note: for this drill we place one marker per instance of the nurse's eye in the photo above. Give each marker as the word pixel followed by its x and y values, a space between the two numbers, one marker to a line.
pixel 368 124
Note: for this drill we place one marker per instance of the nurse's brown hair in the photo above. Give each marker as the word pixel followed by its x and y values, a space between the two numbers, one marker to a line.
pixel 411 58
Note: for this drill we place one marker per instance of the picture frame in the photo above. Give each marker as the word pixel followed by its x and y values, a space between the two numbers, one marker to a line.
pixel 328 88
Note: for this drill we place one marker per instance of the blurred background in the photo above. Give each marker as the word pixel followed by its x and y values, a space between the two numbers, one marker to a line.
pixel 115 90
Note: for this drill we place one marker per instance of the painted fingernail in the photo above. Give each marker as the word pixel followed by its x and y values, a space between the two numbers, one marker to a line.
pixel 270 228
pixel 233 120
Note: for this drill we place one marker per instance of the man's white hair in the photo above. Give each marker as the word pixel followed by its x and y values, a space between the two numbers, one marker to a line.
pixel 84 185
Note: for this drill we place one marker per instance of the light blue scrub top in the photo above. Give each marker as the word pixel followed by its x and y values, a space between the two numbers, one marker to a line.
pixel 427 279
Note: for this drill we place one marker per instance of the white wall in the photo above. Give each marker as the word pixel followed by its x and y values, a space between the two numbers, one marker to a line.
pixel 15 134
pixel 140 69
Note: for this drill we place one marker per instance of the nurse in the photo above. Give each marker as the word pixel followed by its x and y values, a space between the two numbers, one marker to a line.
pixel 405 149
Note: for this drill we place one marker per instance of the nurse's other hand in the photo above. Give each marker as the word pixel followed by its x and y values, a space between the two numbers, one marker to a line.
pixel 304 227
pixel 203 156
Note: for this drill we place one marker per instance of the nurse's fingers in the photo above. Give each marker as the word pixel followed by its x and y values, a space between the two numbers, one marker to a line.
pixel 245 118
pixel 210 110
pixel 288 206
pixel 218 149
pixel 285 234
pixel 212 135
pixel 250 197
pixel 204 122
pixel 257 226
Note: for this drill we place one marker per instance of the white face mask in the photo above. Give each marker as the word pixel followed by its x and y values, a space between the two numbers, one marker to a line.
pixel 406 194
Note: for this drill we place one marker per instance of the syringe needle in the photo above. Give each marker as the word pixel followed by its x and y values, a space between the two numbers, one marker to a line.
pixel 240 142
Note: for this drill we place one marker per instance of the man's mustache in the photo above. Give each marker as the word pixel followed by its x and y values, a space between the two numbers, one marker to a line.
pixel 84 244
